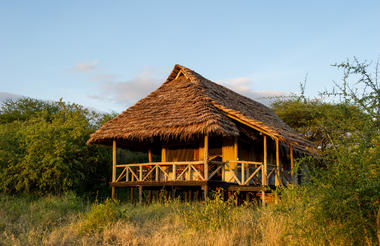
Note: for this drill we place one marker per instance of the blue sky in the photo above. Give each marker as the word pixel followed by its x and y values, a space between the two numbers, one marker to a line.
pixel 108 54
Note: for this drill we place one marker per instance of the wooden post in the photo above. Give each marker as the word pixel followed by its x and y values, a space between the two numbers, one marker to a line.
pixel 140 194
pixel 236 153
pixel 174 172
pixel 265 164
pixel 150 196
pixel 242 173
pixel 150 154
pixel 236 156
pixel 163 154
pixel 158 195
pixel 190 195
pixel 197 195
pixel 113 169
pixel 205 150
pixel 277 176
pixel 292 165
pixel 264 170
pixel 163 159
pixel 173 192
pixel 127 175
pixel 141 174
pixel 205 193
pixel 157 173
pixel 132 194
pixel 223 172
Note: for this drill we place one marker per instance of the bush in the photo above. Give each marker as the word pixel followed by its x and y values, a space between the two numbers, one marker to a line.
pixel 43 148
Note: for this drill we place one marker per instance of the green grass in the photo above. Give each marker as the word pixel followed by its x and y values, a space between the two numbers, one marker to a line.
pixel 71 220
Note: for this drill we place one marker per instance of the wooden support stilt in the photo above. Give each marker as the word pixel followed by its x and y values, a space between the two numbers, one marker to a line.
pixel 292 165
pixel 186 196
pixel 132 194
pixel 140 194
pixel 247 196
pixel 263 197
pixel 205 192
pixel 190 195
pixel 113 169
pixel 166 195
pixel 197 195
pixel 173 193
pixel 150 196
pixel 158 195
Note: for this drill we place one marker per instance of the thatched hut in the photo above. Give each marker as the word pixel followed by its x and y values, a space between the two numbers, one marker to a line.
pixel 207 136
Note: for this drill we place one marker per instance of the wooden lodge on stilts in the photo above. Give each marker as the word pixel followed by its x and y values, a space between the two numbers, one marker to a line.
pixel 207 137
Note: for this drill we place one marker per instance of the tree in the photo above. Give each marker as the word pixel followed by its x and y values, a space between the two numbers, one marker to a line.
pixel 43 148
pixel 343 195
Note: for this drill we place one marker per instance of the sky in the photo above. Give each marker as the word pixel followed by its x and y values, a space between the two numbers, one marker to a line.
pixel 107 55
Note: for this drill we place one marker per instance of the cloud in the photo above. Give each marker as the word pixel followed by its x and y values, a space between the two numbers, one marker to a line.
pixel 128 92
pixel 243 85
pixel 104 77
pixel 85 66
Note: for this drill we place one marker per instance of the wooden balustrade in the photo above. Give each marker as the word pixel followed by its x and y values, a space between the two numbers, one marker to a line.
pixel 243 173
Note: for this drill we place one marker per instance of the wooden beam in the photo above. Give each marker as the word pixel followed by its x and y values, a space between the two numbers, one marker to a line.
pixel 277 176
pixel 245 188
pixel 113 168
pixel 245 122
pixel 205 151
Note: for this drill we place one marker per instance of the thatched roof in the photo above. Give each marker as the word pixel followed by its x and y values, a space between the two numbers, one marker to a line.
pixel 189 105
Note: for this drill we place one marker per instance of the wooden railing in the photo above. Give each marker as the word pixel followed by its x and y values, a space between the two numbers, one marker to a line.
pixel 242 173
pixel 162 171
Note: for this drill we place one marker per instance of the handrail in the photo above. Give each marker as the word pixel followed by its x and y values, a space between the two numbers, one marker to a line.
pixel 160 163
pixel 247 162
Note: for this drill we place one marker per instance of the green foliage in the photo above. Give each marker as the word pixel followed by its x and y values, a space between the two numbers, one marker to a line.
pixel 321 122
pixel 22 215
pixel 100 216
pixel 212 215
pixel 43 148
pixel 343 195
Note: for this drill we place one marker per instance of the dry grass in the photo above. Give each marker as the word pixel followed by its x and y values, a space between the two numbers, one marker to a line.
pixel 63 221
